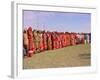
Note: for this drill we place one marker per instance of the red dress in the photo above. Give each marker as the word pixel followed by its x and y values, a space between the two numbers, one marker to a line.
pixel 31 47
pixel 44 41
pixel 63 40
pixel 67 40
pixel 41 42
pixel 60 40
pixel 54 40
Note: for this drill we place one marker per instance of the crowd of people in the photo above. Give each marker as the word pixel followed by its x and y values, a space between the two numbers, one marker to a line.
pixel 36 41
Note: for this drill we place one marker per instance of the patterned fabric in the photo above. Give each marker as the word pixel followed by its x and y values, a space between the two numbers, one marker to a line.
pixel 37 41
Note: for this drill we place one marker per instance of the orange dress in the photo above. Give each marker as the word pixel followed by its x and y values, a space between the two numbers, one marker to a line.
pixel 44 41
pixel 31 47
pixel 41 42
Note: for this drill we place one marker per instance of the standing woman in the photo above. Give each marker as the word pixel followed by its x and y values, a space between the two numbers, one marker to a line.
pixel 53 40
pixel 63 39
pixel 41 41
pixel 49 41
pixel 45 40
pixel 59 41
pixel 67 38
pixel 89 37
pixel 83 40
pixel 72 39
pixel 43 37
pixel 60 37
pixel 31 47
pixel 35 35
pixel 37 41
pixel 25 42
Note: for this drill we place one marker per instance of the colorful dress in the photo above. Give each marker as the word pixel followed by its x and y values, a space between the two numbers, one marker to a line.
pixel 31 47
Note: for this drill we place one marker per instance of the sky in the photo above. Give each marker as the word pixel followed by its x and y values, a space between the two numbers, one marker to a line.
pixel 57 21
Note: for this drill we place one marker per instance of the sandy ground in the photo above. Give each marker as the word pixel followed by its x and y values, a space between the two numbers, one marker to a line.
pixel 71 56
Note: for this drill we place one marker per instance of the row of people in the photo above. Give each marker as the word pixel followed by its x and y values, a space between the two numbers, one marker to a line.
pixel 35 41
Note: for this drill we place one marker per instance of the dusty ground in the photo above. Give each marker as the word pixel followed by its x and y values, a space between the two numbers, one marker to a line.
pixel 71 56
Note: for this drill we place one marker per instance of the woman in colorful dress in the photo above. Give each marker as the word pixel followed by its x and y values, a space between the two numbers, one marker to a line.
pixel 31 47
pixel 25 42
pixel 41 41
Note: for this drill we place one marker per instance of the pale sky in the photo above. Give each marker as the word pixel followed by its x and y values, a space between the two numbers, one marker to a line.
pixel 57 21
